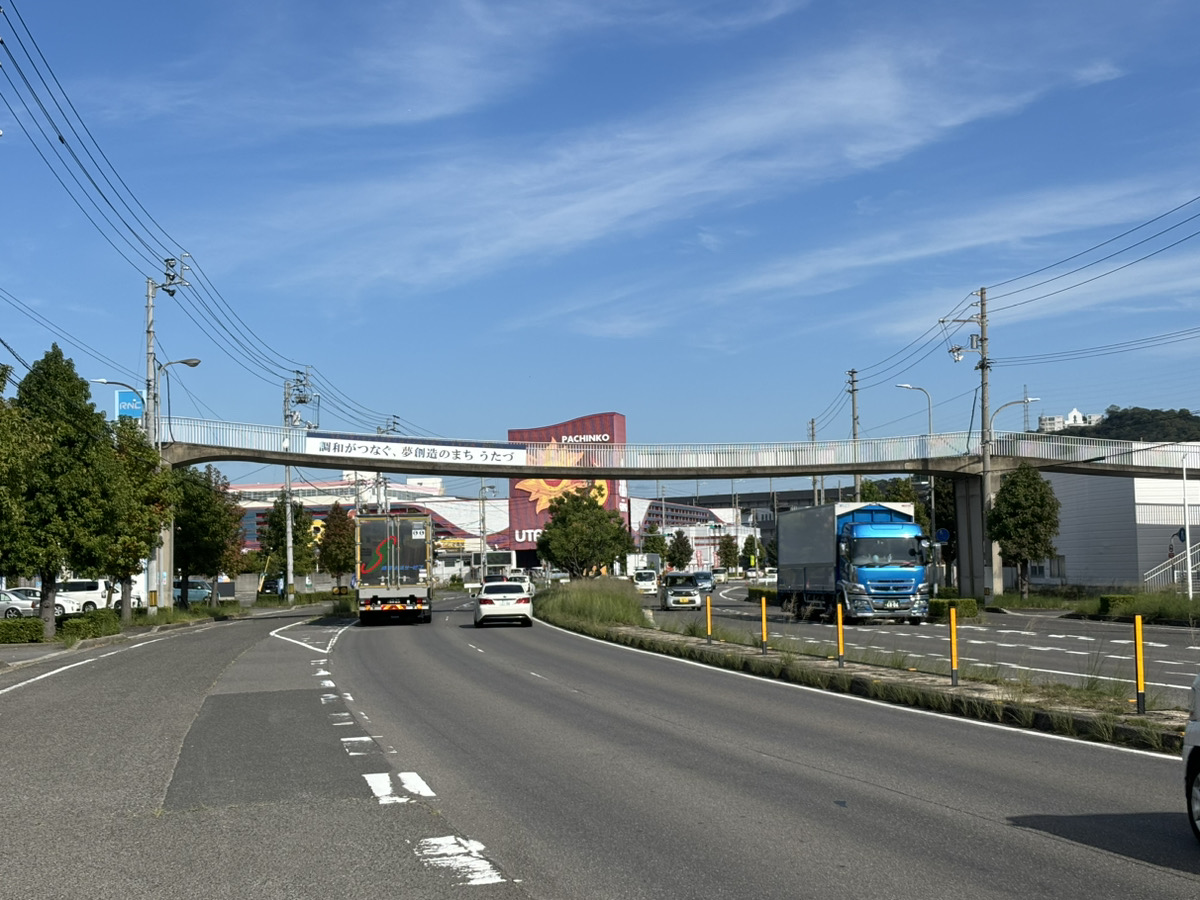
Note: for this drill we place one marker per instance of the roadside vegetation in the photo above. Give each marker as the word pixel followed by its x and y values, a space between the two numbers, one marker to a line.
pixel 104 622
pixel 1098 709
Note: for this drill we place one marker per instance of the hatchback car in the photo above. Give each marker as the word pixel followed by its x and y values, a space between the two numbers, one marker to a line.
pixel 679 590
pixel 1191 761
pixel 705 580
pixel 645 580
pixel 14 605
pixel 503 601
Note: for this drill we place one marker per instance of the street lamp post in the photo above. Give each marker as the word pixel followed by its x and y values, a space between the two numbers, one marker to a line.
pixel 932 504
pixel 163 565
pixel 985 453
pixel 484 490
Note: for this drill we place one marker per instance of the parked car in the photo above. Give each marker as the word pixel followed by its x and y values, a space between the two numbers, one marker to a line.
pixel 14 605
pixel 503 601
pixel 62 605
pixel 678 590
pixel 269 586
pixel 1191 761
pixel 198 591
pixel 94 593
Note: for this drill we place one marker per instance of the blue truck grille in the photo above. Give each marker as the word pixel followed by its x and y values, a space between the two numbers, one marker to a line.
pixel 894 586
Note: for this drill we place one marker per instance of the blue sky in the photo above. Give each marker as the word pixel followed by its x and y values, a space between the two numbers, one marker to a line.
pixel 484 215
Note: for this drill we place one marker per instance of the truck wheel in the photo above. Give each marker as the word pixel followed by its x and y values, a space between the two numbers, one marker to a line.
pixel 1193 798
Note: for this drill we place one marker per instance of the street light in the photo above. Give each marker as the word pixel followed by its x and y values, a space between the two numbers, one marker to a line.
pixel 484 490
pixel 932 505
pixel 985 452
pixel 154 417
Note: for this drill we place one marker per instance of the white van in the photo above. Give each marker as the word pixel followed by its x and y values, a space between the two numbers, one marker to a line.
pixel 645 580
pixel 93 593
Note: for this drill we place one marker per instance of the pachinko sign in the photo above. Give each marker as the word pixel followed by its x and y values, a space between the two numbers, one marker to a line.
pixel 529 498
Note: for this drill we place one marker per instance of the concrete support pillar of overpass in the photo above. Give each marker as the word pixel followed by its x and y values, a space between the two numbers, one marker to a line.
pixel 968 511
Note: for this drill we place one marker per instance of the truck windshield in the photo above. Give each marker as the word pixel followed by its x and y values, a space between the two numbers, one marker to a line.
pixel 886 552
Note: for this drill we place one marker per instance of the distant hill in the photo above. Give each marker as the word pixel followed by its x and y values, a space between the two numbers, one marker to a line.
pixel 1138 424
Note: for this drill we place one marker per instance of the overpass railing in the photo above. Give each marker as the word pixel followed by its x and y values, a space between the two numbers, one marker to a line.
pixel 794 456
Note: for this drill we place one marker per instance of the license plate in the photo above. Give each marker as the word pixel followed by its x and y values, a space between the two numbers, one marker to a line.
pixel 891 604
pixel 683 600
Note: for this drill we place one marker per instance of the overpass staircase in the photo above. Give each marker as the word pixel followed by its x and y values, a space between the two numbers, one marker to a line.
pixel 1173 574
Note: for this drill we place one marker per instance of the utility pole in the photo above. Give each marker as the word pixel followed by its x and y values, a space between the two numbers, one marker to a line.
pixel 294 394
pixel 157 569
pixel 853 373
pixel 979 344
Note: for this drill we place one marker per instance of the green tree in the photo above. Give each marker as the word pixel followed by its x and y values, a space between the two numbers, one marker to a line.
pixel 654 542
pixel 752 551
pixel 727 551
pixel 273 537
pixel 208 525
pixel 338 543
pixel 679 551
pixel 59 483
pixel 582 536
pixel 1024 521
pixel 141 497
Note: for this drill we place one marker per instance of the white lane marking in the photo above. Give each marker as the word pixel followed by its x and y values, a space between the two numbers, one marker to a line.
pixel 326 699
pixel 461 856
pixel 360 746
pixel 536 675
pixel 320 672
pixel 1171 758
pixel 75 665
pixel 415 784
pixel 381 787
pixel 326 649
pixel 327 683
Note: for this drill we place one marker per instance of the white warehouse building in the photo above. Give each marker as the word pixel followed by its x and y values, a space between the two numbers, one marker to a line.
pixel 1114 531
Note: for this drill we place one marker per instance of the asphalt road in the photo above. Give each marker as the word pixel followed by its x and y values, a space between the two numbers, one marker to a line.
pixel 1039 645
pixel 278 758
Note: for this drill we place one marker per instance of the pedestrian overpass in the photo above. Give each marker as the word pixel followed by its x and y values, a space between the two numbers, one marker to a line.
pixel 953 455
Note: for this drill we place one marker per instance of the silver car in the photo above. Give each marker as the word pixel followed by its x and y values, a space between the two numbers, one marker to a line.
pixel 679 590
pixel 14 605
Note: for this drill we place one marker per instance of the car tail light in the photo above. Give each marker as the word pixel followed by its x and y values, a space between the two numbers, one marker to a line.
pixel 522 599
pixel 486 601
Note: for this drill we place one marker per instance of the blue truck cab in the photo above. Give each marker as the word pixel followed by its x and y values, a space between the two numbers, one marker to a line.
pixel 868 558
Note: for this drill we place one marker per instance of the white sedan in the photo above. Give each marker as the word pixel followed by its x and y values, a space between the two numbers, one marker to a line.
pixel 503 601
pixel 63 604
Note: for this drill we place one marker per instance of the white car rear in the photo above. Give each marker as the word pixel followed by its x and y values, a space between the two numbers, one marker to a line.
pixel 503 601
pixel 1191 761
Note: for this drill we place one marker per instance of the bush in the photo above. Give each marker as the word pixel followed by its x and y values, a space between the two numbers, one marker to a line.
pixel 97 623
pixel 939 607
pixel 22 631
pixel 1115 604
pixel 756 594
pixel 614 601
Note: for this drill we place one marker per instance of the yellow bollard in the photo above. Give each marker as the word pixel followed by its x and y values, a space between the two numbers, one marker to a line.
pixel 953 645
pixel 708 606
pixel 1141 665
pixel 764 624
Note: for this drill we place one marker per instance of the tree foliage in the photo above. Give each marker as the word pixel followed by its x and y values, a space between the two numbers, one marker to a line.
pixel 1138 424
pixel 1024 521
pixel 727 551
pixel 273 538
pixel 679 551
pixel 582 537
pixel 654 542
pixel 60 484
pixel 141 497
pixel 337 550
pixel 208 524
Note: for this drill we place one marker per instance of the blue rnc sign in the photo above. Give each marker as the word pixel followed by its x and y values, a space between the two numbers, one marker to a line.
pixel 129 404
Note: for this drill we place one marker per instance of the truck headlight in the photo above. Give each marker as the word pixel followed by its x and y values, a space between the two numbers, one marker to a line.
pixel 856 588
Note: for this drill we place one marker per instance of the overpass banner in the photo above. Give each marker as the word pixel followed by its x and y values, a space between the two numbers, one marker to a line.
pixel 529 498
pixel 400 449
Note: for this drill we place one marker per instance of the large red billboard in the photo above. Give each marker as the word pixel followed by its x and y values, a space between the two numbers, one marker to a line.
pixel 529 498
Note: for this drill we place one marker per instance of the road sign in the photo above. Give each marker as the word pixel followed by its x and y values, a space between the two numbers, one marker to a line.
pixel 942 535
